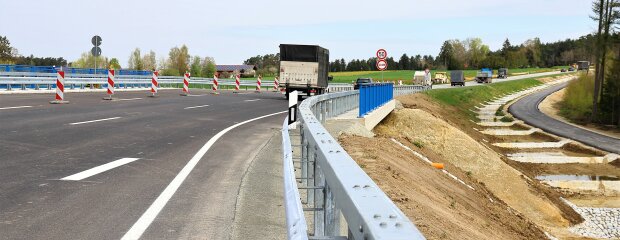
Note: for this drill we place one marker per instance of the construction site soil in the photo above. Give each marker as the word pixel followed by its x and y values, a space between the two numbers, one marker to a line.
pixel 507 203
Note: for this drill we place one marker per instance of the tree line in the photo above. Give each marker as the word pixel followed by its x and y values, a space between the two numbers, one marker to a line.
pixel 177 62
pixel 472 53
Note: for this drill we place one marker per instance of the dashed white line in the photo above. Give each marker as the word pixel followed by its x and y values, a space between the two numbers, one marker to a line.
pixel 196 107
pixel 251 100
pixel 92 121
pixel 129 99
pixel 5 108
pixel 99 169
pixel 151 213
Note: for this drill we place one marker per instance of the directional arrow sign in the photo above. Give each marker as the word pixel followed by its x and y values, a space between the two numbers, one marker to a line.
pixel 96 51
pixel 96 40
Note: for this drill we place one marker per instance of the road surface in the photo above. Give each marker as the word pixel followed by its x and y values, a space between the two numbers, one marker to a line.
pixel 527 110
pixel 96 169
pixel 495 80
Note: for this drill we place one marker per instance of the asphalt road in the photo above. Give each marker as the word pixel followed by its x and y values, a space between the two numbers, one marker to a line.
pixel 41 143
pixel 527 110
pixel 495 80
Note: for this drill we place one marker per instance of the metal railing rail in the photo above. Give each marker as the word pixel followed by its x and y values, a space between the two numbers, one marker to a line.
pixel 373 96
pixel 335 183
pixel 295 221
pixel 24 80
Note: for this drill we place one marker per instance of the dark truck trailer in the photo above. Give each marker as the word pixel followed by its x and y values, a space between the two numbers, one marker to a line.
pixel 583 65
pixel 304 68
pixel 457 78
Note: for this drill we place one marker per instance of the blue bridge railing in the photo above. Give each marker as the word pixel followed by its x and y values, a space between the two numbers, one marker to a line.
pixel 374 95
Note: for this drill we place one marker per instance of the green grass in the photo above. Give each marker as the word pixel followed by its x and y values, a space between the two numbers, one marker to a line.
pixel 407 75
pixel 466 98
pixel 577 102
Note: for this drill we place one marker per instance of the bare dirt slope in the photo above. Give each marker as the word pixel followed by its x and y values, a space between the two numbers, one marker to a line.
pixel 441 207
pixel 484 164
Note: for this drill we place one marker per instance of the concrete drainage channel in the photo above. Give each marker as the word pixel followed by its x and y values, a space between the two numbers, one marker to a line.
pixel 527 145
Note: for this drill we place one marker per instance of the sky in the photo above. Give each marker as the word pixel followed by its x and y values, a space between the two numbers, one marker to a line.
pixel 233 30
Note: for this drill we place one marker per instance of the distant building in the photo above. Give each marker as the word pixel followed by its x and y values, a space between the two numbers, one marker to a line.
pixel 241 69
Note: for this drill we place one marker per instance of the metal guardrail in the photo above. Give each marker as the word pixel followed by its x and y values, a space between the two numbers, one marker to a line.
pixel 68 70
pixel 334 182
pixel 295 220
pixel 35 80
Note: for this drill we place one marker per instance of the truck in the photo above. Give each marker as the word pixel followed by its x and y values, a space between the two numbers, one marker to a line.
pixel 440 78
pixel 485 75
pixel 418 78
pixel 583 65
pixel 502 73
pixel 304 68
pixel 457 78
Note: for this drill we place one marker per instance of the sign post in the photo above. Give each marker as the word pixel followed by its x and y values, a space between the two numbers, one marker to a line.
pixel 96 50
pixel 381 63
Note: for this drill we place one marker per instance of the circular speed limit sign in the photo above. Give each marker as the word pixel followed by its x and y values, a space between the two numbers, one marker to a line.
pixel 381 54
pixel 382 65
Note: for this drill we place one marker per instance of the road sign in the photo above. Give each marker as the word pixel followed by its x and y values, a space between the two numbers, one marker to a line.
pixel 381 54
pixel 382 64
pixel 96 40
pixel 96 51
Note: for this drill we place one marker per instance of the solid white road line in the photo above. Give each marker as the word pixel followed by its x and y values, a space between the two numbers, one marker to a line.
pixel 99 169
pixel 92 121
pixel 151 213
pixel 251 100
pixel 129 99
pixel 196 106
pixel 4 108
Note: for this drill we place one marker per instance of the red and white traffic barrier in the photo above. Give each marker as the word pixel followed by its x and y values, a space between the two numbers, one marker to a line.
pixel 110 84
pixel 258 83
pixel 276 84
pixel 154 83
pixel 60 88
pixel 237 83
pixel 214 88
pixel 186 84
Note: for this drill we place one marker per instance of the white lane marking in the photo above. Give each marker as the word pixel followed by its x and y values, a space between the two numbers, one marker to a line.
pixel 251 100
pixel 4 108
pixel 99 169
pixel 151 213
pixel 92 121
pixel 129 99
pixel 196 106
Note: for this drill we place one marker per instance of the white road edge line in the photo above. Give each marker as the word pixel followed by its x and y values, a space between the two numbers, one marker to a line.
pixel 251 100
pixel 92 121
pixel 196 106
pixel 138 228
pixel 99 169
pixel 129 99
pixel 4 108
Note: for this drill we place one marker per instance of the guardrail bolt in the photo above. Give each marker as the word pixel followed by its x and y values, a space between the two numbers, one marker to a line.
pixel 398 225
pixel 377 216
pixel 383 224
pixel 392 216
